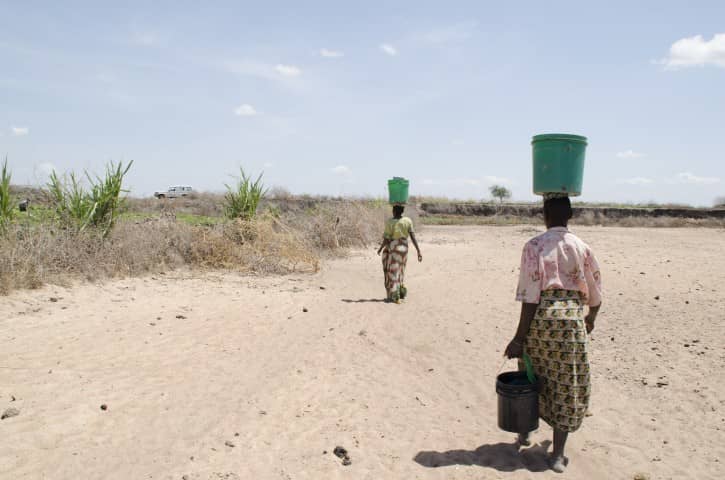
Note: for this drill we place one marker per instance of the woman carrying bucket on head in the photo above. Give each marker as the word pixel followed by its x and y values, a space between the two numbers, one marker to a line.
pixel 559 276
pixel 394 247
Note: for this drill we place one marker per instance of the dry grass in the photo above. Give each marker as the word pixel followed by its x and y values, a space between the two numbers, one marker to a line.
pixel 331 226
pixel 586 218
pixel 597 218
pixel 202 204
pixel 33 254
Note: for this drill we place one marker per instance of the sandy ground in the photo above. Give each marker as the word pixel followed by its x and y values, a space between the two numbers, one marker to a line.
pixel 189 365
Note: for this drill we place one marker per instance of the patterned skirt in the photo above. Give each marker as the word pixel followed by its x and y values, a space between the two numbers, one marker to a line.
pixel 395 257
pixel 557 344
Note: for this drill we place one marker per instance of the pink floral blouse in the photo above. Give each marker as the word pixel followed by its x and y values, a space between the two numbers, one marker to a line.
pixel 558 259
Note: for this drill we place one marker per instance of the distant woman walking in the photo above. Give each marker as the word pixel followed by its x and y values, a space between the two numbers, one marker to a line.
pixel 395 253
pixel 559 275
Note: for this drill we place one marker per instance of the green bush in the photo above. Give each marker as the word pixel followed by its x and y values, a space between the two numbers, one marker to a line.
pixel 242 200
pixel 7 206
pixel 99 207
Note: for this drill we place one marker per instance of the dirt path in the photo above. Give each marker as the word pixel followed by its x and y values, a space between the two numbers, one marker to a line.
pixel 190 365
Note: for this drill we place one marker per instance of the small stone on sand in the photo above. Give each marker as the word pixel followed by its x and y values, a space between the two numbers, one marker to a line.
pixel 10 413
pixel 341 453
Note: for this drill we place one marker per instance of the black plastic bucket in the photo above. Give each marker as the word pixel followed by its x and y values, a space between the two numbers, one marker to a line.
pixel 518 402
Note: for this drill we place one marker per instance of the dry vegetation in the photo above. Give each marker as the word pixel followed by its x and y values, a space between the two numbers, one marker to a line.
pixel 585 219
pixel 35 253
pixel 291 233
pixel 594 218
pixel 669 216
pixel 201 204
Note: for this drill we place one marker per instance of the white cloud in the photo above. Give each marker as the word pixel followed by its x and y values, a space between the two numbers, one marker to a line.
pixel 696 52
pixel 457 142
pixel 389 49
pixel 288 70
pixel 492 179
pixel 341 170
pixel 19 131
pixel 687 177
pixel 636 181
pixel 331 53
pixel 429 181
pixel 268 165
pixel 245 110
pixel 630 154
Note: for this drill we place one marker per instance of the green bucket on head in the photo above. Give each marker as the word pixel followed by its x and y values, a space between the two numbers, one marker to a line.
pixel 558 163
pixel 398 190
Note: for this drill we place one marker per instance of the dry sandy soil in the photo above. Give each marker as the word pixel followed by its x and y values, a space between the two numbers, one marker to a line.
pixel 221 376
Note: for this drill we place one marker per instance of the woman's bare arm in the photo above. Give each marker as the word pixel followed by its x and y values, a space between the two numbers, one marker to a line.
pixel 515 348
pixel 591 317
pixel 415 243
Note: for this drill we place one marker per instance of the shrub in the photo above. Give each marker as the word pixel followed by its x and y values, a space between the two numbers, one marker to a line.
pixel 280 193
pixel 7 207
pixel 242 200
pixel 282 240
pixel 98 207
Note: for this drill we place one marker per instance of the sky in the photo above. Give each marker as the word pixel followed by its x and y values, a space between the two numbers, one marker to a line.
pixel 331 97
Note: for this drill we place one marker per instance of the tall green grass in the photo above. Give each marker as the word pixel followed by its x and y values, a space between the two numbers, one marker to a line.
pixel 98 207
pixel 242 199
pixel 7 207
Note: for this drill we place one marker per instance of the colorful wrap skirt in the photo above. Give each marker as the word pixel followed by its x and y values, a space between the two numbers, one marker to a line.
pixel 395 257
pixel 557 345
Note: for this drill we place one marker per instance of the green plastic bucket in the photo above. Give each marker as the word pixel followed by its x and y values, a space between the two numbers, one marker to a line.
pixel 558 163
pixel 398 190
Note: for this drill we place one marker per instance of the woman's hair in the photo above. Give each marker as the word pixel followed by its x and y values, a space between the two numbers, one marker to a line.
pixel 398 210
pixel 557 211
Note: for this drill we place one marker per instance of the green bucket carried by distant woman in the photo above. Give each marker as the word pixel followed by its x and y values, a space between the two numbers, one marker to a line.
pixel 398 191
pixel 558 163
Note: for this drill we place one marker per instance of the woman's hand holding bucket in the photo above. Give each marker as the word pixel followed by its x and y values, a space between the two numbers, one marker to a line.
pixel 515 349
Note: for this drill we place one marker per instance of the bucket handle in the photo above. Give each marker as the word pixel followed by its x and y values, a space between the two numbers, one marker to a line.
pixel 529 368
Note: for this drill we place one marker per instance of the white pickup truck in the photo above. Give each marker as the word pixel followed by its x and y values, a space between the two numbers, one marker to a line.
pixel 174 192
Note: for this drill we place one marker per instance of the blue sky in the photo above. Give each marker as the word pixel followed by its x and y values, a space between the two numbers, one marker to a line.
pixel 336 97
